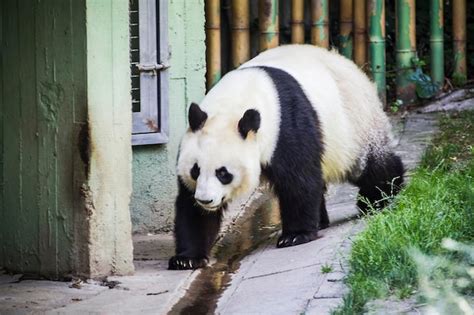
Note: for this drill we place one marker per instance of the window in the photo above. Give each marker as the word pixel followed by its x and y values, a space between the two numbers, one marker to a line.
pixel 149 71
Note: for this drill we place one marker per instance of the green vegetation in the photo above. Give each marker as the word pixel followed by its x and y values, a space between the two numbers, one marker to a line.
pixel 326 268
pixel 425 87
pixel 437 204
pixel 446 282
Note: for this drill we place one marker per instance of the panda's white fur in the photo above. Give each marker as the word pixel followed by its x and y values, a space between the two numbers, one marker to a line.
pixel 344 99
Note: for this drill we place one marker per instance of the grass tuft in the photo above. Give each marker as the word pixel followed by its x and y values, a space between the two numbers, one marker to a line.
pixel 437 203
pixel 326 268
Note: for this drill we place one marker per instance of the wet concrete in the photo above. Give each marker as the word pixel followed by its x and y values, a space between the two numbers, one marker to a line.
pixel 251 230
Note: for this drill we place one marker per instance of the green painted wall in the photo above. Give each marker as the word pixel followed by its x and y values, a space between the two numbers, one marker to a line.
pixel 66 145
pixel 154 176
pixel 43 108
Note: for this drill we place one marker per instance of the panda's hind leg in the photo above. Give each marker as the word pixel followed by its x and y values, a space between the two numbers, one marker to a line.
pixel 323 214
pixel 381 179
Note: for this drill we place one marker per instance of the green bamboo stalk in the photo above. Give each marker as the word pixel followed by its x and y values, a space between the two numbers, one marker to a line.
pixel 405 49
pixel 320 23
pixel 360 33
pixel 376 27
pixel 213 42
pixel 437 41
pixel 268 24
pixel 240 32
pixel 297 21
pixel 346 26
pixel 459 42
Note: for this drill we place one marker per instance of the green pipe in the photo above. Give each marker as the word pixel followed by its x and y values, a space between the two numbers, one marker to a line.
pixel 437 41
pixel 346 25
pixel 268 24
pixel 320 23
pixel 405 49
pixel 376 28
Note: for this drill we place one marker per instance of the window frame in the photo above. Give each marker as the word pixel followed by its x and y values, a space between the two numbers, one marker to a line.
pixel 151 124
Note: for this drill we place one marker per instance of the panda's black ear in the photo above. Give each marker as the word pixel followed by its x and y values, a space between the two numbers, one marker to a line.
pixel 249 122
pixel 196 117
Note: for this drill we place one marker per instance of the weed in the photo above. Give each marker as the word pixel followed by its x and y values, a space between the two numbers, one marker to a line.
pixel 326 268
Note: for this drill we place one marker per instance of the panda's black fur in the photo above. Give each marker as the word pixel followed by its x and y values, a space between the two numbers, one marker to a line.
pixel 380 179
pixel 195 231
pixel 295 172
pixel 296 176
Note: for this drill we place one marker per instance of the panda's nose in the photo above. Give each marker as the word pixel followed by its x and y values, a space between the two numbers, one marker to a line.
pixel 204 202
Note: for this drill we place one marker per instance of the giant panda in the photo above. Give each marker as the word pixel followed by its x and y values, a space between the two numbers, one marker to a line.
pixel 300 117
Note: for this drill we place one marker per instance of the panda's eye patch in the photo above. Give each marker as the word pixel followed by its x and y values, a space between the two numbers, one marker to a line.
pixel 224 176
pixel 195 171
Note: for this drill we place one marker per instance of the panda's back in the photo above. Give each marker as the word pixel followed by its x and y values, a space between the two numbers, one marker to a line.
pixel 343 98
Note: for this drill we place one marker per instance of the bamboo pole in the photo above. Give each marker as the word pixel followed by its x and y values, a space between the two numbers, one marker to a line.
pixel 376 26
pixel 405 49
pixel 320 23
pixel 240 32
pixel 268 24
pixel 213 42
pixel 297 21
pixel 459 42
pixel 360 33
pixel 437 41
pixel 346 24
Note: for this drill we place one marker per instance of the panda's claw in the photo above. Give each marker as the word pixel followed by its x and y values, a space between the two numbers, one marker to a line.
pixel 185 263
pixel 294 239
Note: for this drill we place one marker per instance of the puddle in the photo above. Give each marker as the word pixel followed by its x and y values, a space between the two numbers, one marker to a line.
pixel 250 231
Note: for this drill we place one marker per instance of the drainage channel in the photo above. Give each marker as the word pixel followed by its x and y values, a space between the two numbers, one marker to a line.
pixel 251 230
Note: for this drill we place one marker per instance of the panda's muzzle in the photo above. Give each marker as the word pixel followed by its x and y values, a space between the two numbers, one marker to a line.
pixel 206 204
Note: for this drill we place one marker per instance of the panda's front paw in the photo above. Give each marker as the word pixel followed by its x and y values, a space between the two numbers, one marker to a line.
pixel 184 263
pixel 292 239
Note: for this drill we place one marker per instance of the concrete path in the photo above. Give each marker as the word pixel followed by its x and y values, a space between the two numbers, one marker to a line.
pixel 151 290
pixel 269 281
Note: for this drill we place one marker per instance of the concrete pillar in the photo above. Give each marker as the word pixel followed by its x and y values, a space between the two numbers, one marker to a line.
pixel 109 117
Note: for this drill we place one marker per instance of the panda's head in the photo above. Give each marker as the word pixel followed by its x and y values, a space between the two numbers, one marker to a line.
pixel 219 157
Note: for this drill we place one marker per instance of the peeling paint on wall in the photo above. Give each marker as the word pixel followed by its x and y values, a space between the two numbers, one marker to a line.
pixel 51 97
